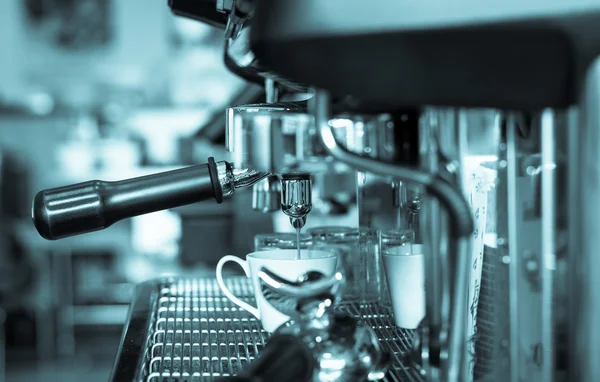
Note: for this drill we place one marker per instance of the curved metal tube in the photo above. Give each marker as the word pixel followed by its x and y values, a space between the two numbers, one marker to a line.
pixel 452 198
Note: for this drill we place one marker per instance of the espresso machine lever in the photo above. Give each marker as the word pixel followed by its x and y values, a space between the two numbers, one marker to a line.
pixel 95 205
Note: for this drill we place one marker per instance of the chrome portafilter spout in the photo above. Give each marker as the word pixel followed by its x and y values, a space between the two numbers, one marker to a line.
pixel 296 198
pixel 343 349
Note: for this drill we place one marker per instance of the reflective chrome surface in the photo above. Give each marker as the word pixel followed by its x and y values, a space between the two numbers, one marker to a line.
pixel 185 329
pixel 247 177
pixel 296 198
pixel 225 174
pixel 266 137
pixel 344 349
pixel 461 229
pixel 585 240
pixel 266 195
pixel 293 298
pixel 231 178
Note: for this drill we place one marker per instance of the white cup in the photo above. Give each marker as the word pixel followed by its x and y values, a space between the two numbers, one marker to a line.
pixel 404 270
pixel 282 262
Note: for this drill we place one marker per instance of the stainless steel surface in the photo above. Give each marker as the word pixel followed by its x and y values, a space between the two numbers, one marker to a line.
pixel 246 177
pixel 452 199
pixel 225 178
pixel 457 334
pixel 191 332
pixel 548 239
pixel 512 256
pixel 369 135
pixel 271 91
pixel 266 195
pixel 267 137
pixel 198 333
pixel 296 198
pixel 500 329
pixel 585 240
pixel 344 349
pixel 527 234
pixel 240 13
pixel 409 201
pixel 432 219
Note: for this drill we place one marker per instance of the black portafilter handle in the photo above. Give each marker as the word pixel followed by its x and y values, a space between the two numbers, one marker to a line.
pixel 95 205
pixel 201 10
pixel 284 358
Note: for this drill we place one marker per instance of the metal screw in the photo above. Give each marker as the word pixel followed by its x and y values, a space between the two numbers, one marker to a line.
pixel 532 265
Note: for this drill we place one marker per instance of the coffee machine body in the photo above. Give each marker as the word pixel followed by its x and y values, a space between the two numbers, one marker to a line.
pixel 472 124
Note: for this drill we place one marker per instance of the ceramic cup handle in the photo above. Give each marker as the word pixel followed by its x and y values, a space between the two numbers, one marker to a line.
pixel 244 305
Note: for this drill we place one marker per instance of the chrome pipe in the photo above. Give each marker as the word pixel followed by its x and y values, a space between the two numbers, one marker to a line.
pixel 452 198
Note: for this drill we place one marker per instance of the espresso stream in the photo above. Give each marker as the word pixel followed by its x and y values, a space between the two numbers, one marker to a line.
pixel 298 242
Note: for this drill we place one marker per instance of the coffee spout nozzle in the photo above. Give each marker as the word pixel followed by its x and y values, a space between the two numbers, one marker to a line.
pixel 296 198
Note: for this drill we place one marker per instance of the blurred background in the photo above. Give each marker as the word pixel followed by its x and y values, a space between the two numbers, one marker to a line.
pixel 103 89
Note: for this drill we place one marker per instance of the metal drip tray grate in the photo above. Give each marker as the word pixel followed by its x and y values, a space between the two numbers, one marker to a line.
pixel 196 334
pixel 199 333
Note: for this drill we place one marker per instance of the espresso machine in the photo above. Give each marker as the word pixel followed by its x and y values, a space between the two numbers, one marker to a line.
pixel 398 93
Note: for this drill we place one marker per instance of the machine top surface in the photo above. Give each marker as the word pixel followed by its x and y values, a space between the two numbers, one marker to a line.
pixel 497 53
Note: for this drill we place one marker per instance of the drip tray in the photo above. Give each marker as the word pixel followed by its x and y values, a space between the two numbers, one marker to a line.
pixel 186 330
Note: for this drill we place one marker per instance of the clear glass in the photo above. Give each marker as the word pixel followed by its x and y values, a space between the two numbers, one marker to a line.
pixel 391 242
pixel 281 240
pixel 345 242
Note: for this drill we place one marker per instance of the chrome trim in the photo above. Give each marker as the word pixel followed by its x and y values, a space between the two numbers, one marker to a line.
pixel 583 256
pixel 225 178
pixel 513 268
pixel 549 235
pixel 246 177
pixel 449 195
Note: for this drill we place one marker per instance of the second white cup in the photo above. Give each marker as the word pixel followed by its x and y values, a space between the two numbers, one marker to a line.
pixel 282 262
pixel 404 270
